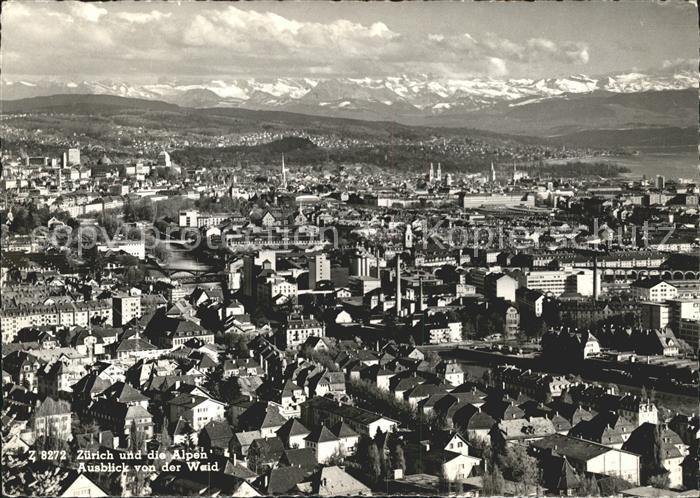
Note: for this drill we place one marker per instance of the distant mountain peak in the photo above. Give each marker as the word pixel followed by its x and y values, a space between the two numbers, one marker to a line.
pixel 391 97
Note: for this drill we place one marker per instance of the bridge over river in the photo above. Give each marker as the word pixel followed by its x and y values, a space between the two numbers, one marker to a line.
pixel 183 266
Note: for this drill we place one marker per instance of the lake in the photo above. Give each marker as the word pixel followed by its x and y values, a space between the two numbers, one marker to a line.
pixel 672 162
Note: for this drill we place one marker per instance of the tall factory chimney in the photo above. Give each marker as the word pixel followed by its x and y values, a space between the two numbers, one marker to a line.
pixel 595 278
pixel 419 306
pixel 398 285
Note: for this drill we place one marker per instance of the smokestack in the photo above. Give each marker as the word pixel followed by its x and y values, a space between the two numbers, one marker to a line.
pixel 398 285
pixel 420 294
pixel 595 279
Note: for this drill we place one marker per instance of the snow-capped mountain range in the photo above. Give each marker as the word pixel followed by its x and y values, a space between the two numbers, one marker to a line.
pixel 396 95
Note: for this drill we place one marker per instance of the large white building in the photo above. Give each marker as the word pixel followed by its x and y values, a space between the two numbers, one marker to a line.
pixel 188 218
pixel 164 159
pixel 653 290
pixel 73 156
pixel 689 331
pixel 362 264
pixel 12 320
pixel 319 269
pixel 656 315
pixel 670 313
pixel 500 286
pixel 136 248
pixel 198 410
pixel 558 282
pixel 299 329
pixel 587 456
pixel 125 308
pixel 274 288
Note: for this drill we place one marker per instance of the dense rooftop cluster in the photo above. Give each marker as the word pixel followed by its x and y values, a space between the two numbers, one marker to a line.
pixel 178 330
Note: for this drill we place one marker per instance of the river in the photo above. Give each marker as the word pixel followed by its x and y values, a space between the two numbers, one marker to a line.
pixel 180 259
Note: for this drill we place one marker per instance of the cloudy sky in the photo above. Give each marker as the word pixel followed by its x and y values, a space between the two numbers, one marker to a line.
pixel 147 42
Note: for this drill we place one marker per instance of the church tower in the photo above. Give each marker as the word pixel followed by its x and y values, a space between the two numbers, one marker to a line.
pixel 408 237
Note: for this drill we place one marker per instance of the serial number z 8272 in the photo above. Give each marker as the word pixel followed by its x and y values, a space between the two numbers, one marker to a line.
pixel 47 455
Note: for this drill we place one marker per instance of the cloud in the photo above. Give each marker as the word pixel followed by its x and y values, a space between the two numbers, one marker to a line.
pixel 537 50
pixel 142 17
pixel 679 64
pixel 497 67
pixel 281 37
pixel 106 39
pixel 87 11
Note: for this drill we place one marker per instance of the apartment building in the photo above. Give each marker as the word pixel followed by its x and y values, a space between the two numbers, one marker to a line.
pixel 587 456
pixel 299 329
pixel 12 320
pixel 125 308
pixel 654 290
pixel 198 410
pixel 558 282
pixel 319 269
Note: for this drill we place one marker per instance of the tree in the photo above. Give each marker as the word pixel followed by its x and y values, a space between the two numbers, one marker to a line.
pixel 432 358
pixel 534 327
pixel 94 261
pixel 656 472
pixel 321 357
pixel 165 440
pixel 134 233
pixel 337 458
pixel 257 456
pixel 482 326
pixel 488 377
pixel 136 439
pixel 86 426
pixel 444 482
pixel 468 330
pixel 374 464
pixel 589 487
pixel 237 344
pixel 136 482
pixel 518 466
pixel 483 447
pixel 384 402
pixel 226 390
pixel 162 252
pixel 398 459
pixel 133 276
pixel 438 421
pixel 110 222
pixel 496 324
pixel 492 482
pixel 660 481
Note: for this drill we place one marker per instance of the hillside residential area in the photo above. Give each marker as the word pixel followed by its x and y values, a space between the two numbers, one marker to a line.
pixel 388 251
